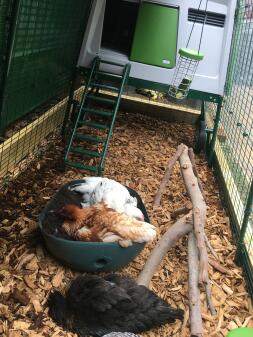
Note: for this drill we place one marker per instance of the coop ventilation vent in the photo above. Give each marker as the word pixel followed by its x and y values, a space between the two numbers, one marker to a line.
pixel 213 19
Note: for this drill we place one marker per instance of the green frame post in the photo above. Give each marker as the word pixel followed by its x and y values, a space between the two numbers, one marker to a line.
pixel 215 131
pixel 92 70
pixel 73 82
pixel 70 102
pixel 234 46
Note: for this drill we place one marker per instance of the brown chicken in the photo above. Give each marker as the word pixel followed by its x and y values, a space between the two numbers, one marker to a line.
pixel 100 223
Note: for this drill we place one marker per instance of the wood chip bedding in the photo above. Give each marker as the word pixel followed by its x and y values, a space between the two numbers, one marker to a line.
pixel 138 155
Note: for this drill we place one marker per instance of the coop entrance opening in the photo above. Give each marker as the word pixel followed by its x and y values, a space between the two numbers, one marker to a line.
pixel 119 25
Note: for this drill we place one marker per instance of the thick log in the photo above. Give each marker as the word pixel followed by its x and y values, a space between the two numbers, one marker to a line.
pixel 168 240
pixel 167 174
pixel 199 212
pixel 194 167
pixel 194 293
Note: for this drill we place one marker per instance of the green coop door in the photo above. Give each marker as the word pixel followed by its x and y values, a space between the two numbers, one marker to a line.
pixel 155 37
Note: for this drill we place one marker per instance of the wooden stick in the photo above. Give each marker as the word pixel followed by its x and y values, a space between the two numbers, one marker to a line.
pixel 199 212
pixel 209 299
pixel 209 246
pixel 194 293
pixel 218 267
pixel 174 233
pixel 167 174
pixel 194 167
pixel 198 220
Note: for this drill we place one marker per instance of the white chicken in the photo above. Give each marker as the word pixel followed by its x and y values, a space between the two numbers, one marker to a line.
pixel 86 188
pixel 112 193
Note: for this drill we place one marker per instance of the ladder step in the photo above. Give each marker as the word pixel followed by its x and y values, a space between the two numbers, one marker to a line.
pixel 99 112
pixel 84 152
pixel 81 166
pixel 94 125
pixel 112 63
pixel 105 73
pixel 88 138
pixel 104 86
pixel 101 99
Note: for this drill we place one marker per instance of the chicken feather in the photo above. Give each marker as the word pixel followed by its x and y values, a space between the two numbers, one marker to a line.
pixel 96 189
pixel 95 306
pixel 101 223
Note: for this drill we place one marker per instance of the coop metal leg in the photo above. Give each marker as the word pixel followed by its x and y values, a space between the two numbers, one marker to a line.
pixel 69 104
pixel 247 213
pixel 215 131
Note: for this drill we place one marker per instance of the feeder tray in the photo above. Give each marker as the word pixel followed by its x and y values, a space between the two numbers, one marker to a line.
pixel 183 76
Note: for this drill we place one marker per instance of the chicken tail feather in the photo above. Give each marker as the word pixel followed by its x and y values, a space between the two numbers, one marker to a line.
pixel 58 308
pixel 167 314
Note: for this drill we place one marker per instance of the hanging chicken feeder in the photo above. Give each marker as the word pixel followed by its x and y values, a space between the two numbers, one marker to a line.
pixel 187 65
pixel 183 76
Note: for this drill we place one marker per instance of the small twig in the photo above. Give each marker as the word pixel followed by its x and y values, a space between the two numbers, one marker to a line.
pixel 209 299
pixel 194 168
pixel 169 239
pixel 209 246
pixel 218 267
pixel 194 293
pixel 167 174
pixel 181 211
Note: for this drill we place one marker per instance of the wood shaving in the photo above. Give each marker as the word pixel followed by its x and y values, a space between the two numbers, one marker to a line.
pixel 137 157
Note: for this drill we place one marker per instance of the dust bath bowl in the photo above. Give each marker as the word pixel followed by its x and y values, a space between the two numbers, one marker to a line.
pixel 86 256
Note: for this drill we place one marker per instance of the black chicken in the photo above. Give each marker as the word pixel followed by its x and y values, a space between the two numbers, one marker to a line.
pixel 97 306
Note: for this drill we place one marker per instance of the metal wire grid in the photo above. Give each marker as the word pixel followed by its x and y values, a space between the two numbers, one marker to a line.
pixel 19 150
pixel 182 77
pixel 47 40
pixel 4 8
pixel 234 143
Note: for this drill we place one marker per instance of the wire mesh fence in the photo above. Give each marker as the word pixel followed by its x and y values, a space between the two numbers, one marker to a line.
pixel 39 45
pixel 46 40
pixel 234 143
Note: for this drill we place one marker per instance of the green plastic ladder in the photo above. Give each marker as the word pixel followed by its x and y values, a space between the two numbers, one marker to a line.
pixel 95 112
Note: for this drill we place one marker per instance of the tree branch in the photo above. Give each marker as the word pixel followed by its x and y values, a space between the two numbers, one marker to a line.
pixel 167 174
pixel 194 167
pixel 199 212
pixel 209 299
pixel 168 240
pixel 209 246
pixel 194 293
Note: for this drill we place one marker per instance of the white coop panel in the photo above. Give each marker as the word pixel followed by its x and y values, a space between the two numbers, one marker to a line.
pixel 210 76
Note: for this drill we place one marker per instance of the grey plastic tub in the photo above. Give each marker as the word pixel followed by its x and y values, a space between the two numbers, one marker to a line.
pixel 90 256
